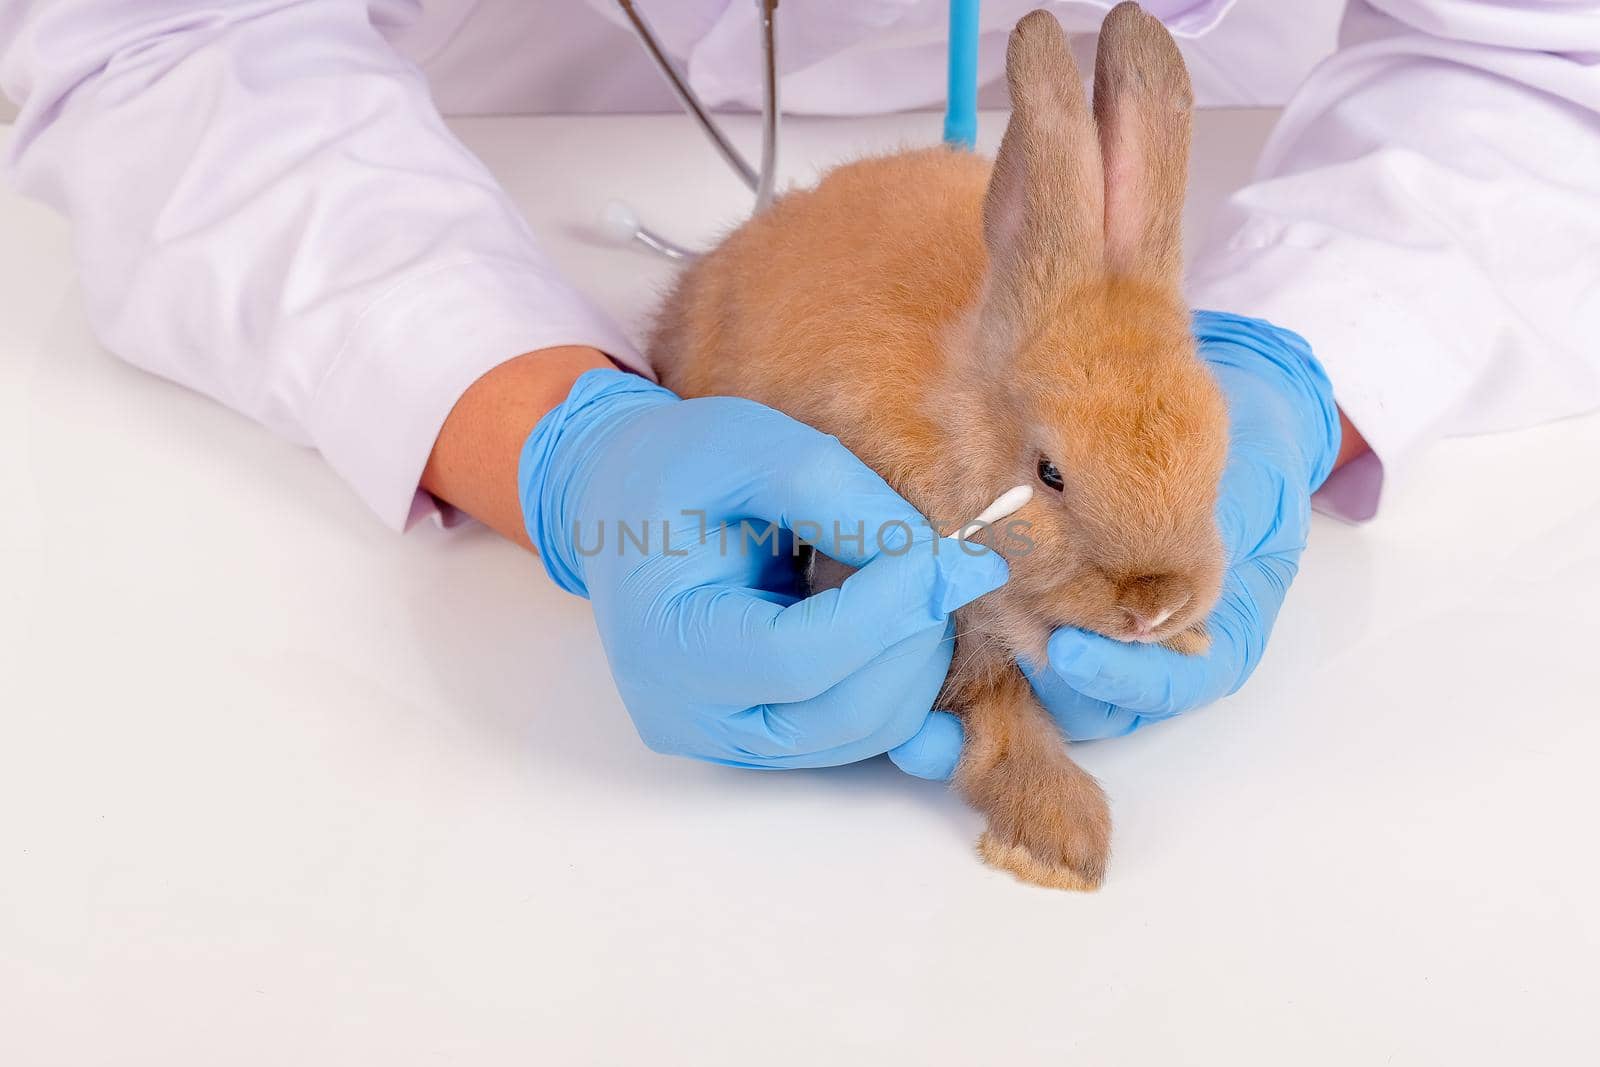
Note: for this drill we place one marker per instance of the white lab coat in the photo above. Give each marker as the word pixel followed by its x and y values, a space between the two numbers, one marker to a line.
pixel 268 208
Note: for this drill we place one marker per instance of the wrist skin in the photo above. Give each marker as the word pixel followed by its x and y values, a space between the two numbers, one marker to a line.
pixel 1351 443
pixel 473 465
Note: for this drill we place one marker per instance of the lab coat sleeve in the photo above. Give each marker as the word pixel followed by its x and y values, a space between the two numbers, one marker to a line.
pixel 267 208
pixel 1427 215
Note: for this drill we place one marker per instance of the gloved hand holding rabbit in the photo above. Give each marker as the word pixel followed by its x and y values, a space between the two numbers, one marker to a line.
pixel 964 328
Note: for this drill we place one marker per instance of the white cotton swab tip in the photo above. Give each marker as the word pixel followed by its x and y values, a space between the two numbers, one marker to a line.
pixel 1004 505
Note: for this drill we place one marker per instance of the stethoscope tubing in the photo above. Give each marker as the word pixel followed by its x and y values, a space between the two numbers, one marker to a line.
pixel 960 121
pixel 762 182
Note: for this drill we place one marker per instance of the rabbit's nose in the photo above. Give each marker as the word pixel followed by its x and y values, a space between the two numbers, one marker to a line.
pixel 1149 600
pixel 1145 625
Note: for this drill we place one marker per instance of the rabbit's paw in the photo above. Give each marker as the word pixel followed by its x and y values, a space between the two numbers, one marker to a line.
pixel 1047 825
pixel 1191 642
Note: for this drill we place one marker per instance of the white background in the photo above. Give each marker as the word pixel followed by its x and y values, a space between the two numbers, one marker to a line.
pixel 279 786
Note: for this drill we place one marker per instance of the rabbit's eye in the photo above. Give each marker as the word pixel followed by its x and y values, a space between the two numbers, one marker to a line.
pixel 1049 475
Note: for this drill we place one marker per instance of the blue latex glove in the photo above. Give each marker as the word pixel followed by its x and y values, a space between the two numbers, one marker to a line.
pixel 1284 437
pixel 713 650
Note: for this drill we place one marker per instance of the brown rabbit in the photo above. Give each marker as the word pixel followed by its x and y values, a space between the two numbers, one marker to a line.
pixel 964 329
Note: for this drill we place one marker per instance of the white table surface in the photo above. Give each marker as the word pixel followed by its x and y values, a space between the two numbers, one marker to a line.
pixel 279 786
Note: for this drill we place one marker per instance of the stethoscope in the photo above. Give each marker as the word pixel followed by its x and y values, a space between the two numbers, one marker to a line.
pixel 618 220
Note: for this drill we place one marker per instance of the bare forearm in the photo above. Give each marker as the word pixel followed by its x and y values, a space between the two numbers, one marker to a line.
pixel 473 465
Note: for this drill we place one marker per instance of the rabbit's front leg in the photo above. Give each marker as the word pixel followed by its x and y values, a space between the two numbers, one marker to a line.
pixel 1194 641
pixel 1048 819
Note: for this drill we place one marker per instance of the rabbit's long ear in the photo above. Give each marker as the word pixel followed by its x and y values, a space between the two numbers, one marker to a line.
pixel 1143 106
pixel 1042 215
